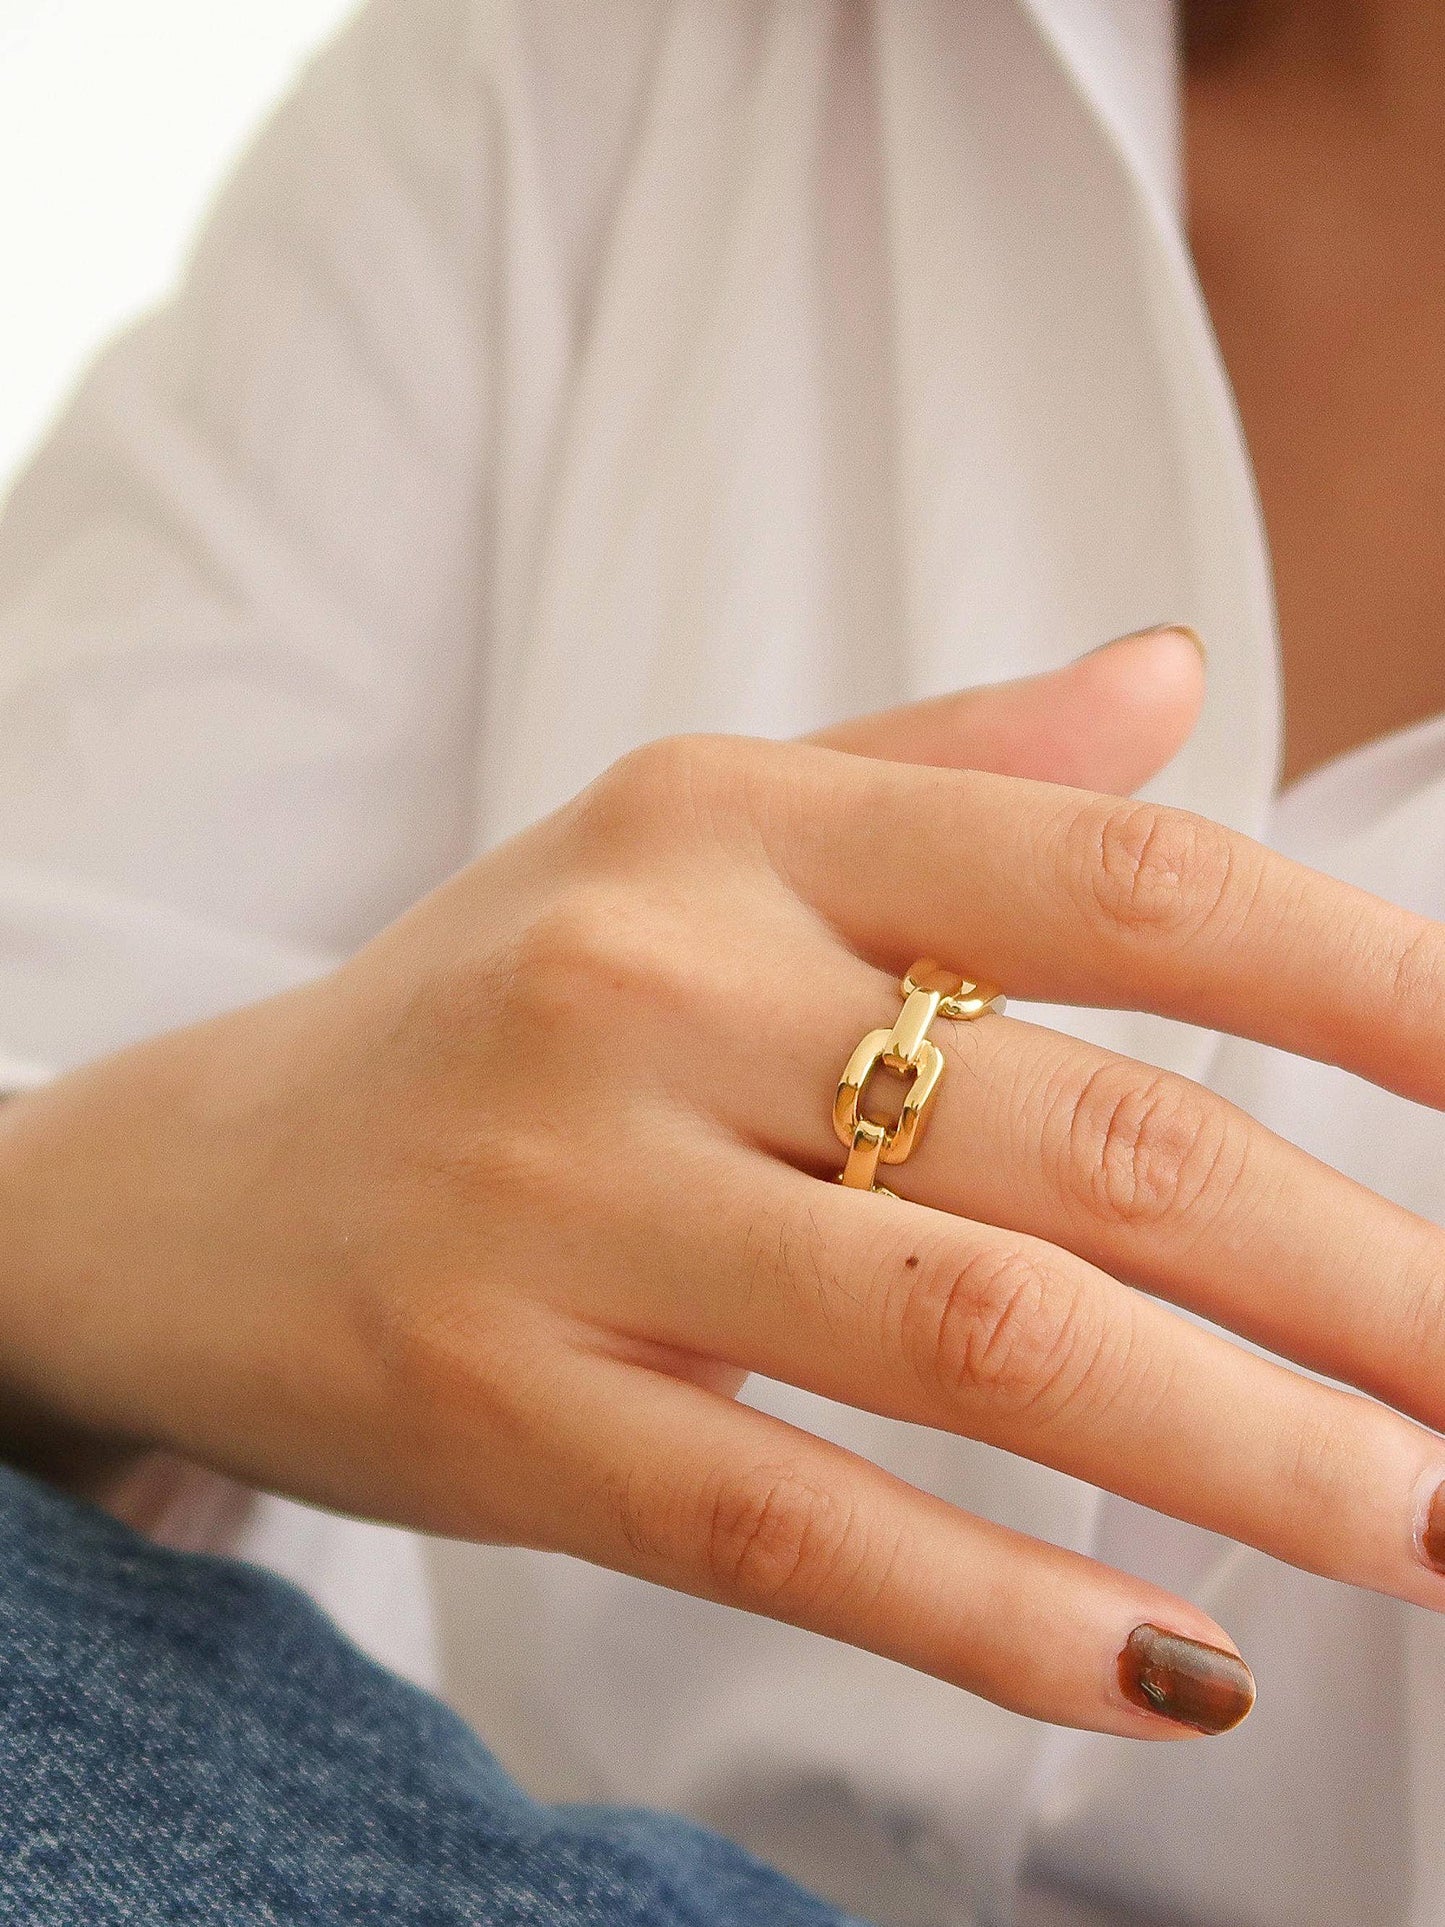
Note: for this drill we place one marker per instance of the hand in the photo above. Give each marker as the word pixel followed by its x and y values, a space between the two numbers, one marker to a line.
pixel 483 1231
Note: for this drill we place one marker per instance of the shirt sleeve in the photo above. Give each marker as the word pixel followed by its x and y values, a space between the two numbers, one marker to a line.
pixel 241 608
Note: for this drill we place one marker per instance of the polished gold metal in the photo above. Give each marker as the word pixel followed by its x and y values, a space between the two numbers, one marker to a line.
pixel 959 996
pixel 861 1170
pixel 928 992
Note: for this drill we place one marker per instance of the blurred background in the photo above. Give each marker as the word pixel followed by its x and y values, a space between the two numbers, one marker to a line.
pixel 117 118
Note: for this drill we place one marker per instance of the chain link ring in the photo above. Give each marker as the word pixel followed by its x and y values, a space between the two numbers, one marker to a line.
pixel 907 1050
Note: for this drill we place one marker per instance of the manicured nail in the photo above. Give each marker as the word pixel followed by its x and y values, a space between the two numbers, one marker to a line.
pixel 1167 629
pixel 1432 1531
pixel 1190 635
pixel 1184 1680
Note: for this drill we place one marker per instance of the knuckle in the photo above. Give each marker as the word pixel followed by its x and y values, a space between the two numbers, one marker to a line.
pixel 1145 1147
pixel 1003 1327
pixel 1416 979
pixel 1423 1320
pixel 644 1521
pixel 1155 873
pixel 444 1357
pixel 774 1540
pixel 592 977
pixel 585 944
pixel 661 790
pixel 601 954
pixel 1319 1478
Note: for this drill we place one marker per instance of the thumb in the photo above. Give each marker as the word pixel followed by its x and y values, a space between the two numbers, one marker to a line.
pixel 1107 722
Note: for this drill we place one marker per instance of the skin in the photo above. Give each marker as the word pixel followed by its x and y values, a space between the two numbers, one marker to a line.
pixel 1316 145
pixel 483 1232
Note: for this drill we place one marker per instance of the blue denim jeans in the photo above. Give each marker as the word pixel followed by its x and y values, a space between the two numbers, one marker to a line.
pixel 188 1740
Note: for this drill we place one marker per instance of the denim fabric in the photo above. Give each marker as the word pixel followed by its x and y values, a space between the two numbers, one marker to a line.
pixel 188 1740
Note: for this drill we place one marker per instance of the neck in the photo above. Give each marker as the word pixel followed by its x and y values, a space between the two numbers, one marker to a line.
pixel 1356 47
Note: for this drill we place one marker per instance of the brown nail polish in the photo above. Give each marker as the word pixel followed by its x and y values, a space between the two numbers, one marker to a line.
pixel 1432 1532
pixel 1186 1681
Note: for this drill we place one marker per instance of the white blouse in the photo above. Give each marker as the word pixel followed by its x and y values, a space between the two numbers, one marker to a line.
pixel 560 373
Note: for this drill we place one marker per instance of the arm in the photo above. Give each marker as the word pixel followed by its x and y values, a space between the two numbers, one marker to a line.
pixel 241 607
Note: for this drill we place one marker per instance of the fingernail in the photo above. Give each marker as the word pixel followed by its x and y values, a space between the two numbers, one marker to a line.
pixel 1163 629
pixel 1432 1531
pixel 1191 635
pixel 1184 1680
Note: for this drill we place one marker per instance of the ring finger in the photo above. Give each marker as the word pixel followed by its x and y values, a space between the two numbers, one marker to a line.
pixel 1151 1177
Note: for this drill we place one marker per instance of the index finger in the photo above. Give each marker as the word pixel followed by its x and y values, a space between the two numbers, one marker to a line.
pixel 1066 897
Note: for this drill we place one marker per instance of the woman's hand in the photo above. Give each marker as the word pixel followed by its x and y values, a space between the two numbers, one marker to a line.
pixel 483 1232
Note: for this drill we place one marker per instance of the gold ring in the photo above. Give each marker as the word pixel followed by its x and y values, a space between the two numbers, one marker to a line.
pixel 928 992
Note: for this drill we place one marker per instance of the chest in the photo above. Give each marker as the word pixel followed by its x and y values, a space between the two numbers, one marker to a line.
pixel 1321 248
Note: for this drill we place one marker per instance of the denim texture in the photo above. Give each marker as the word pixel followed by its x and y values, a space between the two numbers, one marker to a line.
pixel 188 1740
